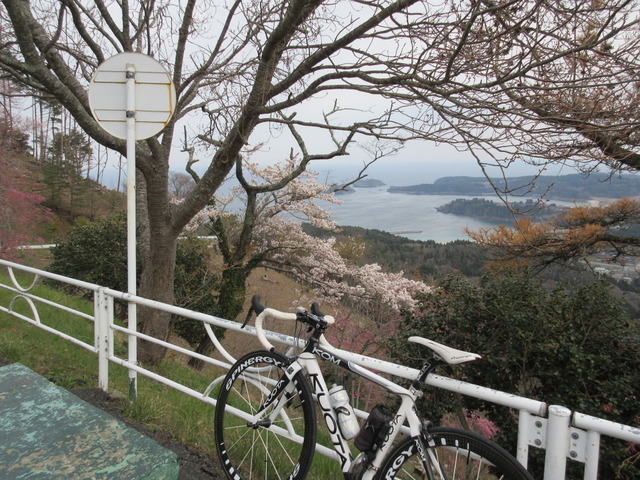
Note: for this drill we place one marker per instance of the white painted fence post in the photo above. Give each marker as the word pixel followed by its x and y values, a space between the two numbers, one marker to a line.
pixel 592 454
pixel 557 443
pixel 101 317
pixel 522 454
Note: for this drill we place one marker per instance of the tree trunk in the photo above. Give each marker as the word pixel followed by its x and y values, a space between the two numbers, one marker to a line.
pixel 157 246
pixel 156 283
pixel 230 301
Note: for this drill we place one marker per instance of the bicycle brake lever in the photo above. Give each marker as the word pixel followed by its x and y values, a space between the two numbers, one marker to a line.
pixel 256 306
pixel 246 320
pixel 315 309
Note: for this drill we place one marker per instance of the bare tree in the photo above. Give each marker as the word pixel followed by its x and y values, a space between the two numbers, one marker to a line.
pixel 180 184
pixel 508 79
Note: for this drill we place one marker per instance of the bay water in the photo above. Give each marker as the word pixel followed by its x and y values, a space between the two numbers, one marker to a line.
pixel 411 216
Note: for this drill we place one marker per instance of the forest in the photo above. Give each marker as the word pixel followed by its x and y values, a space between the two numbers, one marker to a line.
pixel 432 261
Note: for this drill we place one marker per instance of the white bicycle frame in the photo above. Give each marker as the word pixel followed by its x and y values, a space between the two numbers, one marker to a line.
pixel 307 362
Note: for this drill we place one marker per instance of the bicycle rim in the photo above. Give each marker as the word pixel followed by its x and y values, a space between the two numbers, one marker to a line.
pixel 452 454
pixel 281 445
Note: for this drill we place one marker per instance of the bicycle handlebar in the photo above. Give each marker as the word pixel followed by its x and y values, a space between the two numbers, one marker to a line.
pixel 271 313
pixel 302 316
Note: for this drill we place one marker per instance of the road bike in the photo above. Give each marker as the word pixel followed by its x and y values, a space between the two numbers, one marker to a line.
pixel 265 418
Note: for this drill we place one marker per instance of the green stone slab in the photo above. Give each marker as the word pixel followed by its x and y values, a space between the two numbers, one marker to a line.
pixel 49 433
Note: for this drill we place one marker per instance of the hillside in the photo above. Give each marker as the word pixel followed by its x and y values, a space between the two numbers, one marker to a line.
pixel 431 262
pixel 427 261
pixel 70 197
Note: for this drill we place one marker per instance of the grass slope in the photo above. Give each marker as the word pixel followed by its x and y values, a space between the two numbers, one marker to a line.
pixel 158 407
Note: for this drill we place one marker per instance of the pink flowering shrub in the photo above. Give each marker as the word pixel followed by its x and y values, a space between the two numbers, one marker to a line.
pixel 364 337
pixel 21 211
pixel 473 421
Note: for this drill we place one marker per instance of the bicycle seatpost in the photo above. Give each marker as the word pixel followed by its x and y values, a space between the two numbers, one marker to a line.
pixel 427 367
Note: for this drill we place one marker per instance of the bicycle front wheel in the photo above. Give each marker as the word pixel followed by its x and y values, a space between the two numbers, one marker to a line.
pixel 265 425
pixel 451 454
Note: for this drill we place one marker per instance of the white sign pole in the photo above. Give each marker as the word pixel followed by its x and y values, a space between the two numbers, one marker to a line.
pixel 131 224
pixel 134 109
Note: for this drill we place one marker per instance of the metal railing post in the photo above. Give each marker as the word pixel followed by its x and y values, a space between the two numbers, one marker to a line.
pixel 131 224
pixel 101 317
pixel 557 443
pixel 592 455
pixel 522 453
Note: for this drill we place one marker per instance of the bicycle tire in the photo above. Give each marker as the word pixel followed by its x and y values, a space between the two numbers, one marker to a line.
pixel 460 454
pixel 250 451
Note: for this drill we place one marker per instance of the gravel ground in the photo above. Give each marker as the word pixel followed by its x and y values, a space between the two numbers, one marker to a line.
pixel 194 464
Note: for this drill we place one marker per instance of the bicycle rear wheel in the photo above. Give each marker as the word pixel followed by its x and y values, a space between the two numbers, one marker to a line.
pixel 281 444
pixel 452 454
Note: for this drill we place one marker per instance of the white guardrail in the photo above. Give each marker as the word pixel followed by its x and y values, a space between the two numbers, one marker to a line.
pixel 562 433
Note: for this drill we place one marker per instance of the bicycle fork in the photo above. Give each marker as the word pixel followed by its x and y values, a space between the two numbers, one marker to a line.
pixel 430 461
pixel 282 393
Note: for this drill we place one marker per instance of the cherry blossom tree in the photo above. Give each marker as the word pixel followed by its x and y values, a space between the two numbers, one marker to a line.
pixel 21 212
pixel 270 235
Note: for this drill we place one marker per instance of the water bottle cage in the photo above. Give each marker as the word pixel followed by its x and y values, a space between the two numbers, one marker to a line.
pixel 375 430
pixel 342 411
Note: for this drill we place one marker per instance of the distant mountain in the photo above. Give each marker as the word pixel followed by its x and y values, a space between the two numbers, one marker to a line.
pixel 566 187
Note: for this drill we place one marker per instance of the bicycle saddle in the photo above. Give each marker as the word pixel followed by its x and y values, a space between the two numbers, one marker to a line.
pixel 450 355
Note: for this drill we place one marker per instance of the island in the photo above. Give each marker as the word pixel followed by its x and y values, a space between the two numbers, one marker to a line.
pixel 364 183
pixel 369 183
pixel 498 213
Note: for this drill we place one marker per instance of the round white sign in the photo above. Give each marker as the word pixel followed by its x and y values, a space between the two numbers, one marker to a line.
pixel 155 95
